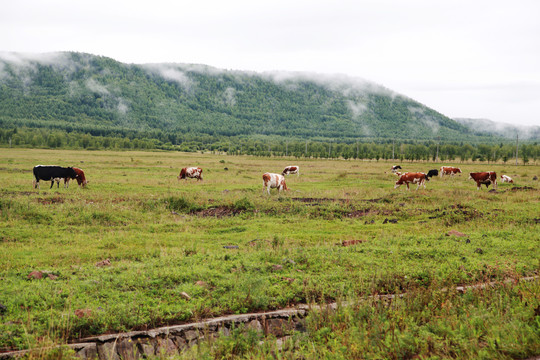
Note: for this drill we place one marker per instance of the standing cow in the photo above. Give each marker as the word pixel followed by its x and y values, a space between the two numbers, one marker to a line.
pixel 449 170
pixel 432 173
pixel 272 181
pixel 190 172
pixel 409 177
pixel 484 178
pixel 291 170
pixel 52 173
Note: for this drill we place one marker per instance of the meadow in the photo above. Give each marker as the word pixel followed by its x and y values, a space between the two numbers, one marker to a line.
pixel 181 251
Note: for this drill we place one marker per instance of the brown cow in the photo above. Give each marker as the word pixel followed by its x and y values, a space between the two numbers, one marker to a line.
pixel 449 170
pixel 81 179
pixel 191 172
pixel 486 178
pixel 415 178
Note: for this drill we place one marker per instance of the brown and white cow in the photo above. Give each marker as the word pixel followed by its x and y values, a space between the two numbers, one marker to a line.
pixel 273 181
pixel 190 172
pixel 449 170
pixel 419 178
pixel 485 178
pixel 291 169
pixel 506 178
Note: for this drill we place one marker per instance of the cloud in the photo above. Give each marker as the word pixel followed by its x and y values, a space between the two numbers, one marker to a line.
pixel 171 72
pixel 96 87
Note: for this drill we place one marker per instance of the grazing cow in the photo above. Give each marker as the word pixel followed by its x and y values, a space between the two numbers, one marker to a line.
pixel 506 178
pixel 449 170
pixel 396 168
pixel 486 178
pixel 410 177
pixel 271 181
pixel 52 173
pixel 81 179
pixel 191 172
pixel 432 173
pixel 291 170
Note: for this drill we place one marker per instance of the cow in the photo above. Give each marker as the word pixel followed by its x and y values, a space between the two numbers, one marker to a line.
pixel 396 168
pixel 449 170
pixel 81 179
pixel 52 173
pixel 506 178
pixel 432 173
pixel 272 181
pixel 486 178
pixel 291 170
pixel 419 178
pixel 190 172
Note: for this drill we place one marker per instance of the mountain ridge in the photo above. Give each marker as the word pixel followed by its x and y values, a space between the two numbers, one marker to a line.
pixel 78 91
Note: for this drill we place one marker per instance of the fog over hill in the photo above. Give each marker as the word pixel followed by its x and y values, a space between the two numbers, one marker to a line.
pixel 508 131
pixel 77 91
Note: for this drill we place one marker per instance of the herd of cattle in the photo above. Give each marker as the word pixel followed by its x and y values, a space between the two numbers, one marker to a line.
pixel 481 178
pixel 54 173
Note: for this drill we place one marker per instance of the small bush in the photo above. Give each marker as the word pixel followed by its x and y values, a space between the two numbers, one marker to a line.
pixel 182 204
pixel 243 204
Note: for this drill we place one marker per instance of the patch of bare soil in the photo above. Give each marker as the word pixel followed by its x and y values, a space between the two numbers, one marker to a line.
pixel 519 188
pixel 220 211
pixel 52 200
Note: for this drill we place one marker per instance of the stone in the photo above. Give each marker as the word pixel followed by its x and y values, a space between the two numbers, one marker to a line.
pixel 146 347
pixel 88 352
pixel 191 335
pixel 107 351
pixel 455 233
pixel 185 295
pixel 105 262
pixel 255 325
pixel 35 275
pixel 166 347
pixel 127 349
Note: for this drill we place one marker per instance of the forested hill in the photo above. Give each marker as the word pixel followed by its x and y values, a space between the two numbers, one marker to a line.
pixel 101 96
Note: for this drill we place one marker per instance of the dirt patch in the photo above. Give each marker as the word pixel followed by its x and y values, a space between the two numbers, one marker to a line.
pixel 518 188
pixel 220 211
pixel 362 213
pixel 52 200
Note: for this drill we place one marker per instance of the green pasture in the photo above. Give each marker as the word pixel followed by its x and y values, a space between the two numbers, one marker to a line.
pixel 166 237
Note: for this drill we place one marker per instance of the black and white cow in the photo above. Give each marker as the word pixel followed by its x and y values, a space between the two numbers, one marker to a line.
pixel 52 173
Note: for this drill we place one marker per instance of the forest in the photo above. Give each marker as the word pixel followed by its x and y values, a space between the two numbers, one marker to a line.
pixel 81 101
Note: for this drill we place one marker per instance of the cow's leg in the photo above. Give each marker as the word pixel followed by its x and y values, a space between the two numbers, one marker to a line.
pixel 407 185
pixel 52 183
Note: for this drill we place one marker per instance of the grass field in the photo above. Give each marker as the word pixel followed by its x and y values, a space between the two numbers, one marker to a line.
pixel 234 249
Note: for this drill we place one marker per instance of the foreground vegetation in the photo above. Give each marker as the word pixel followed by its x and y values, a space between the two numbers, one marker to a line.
pixel 232 249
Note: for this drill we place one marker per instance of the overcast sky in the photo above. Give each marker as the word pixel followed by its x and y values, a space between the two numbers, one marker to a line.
pixel 463 58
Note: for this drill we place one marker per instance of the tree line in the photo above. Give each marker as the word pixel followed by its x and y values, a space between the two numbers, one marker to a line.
pixel 398 150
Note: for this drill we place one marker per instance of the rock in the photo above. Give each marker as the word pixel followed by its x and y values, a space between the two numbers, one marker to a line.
pixel 393 221
pixel 105 262
pixel 455 233
pixel 127 350
pixel 35 275
pixel 88 352
pixel 201 283
pixel 479 251
pixel 350 242
pixel 107 350
pixel 83 313
pixel 185 295
pixel 231 247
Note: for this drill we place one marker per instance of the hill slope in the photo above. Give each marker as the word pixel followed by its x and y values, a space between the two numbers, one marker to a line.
pixel 74 91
